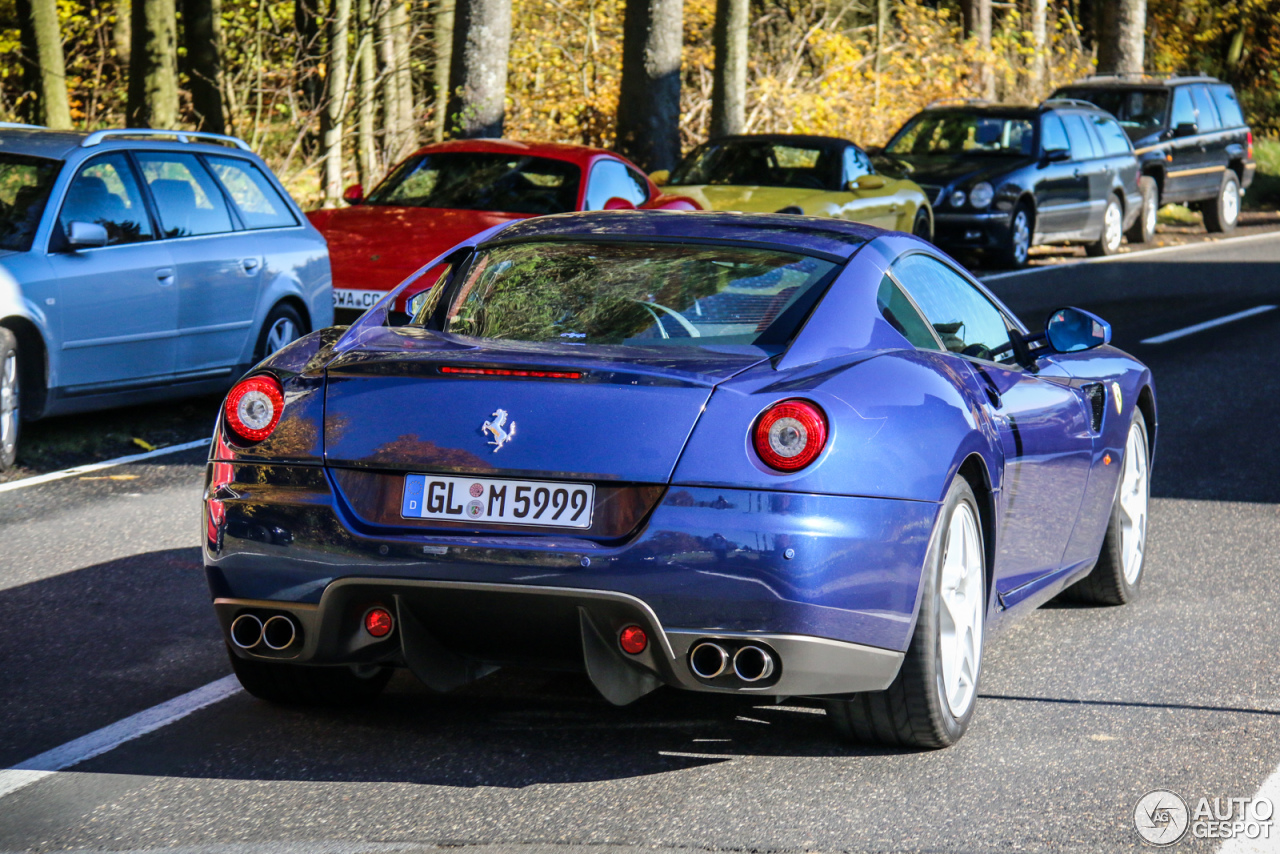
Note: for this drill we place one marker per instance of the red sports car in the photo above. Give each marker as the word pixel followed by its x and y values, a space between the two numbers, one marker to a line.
pixel 447 192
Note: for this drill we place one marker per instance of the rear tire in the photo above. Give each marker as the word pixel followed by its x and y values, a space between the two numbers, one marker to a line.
pixel 10 399
pixel 1144 228
pixel 1117 576
pixel 931 700
pixel 1112 236
pixel 1017 245
pixel 303 685
pixel 1222 214
pixel 283 326
pixel 922 227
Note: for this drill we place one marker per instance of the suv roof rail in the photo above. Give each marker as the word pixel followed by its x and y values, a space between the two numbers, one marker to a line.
pixel 181 135
pixel 958 102
pixel 1069 102
pixel 20 126
pixel 1157 75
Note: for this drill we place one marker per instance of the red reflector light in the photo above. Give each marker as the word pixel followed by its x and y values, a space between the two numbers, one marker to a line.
pixel 513 372
pixel 790 435
pixel 378 622
pixel 633 640
pixel 253 408
pixel 1249 143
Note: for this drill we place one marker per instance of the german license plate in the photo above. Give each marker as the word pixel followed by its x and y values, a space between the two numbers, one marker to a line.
pixel 349 298
pixel 509 502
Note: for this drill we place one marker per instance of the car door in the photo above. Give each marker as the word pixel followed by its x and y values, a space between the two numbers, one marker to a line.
pixel 1182 175
pixel 1057 191
pixel 1042 423
pixel 611 179
pixel 1211 142
pixel 117 304
pixel 218 269
pixel 1090 173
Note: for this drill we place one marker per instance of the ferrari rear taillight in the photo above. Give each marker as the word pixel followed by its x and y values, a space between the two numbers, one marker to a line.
pixel 253 408
pixel 790 435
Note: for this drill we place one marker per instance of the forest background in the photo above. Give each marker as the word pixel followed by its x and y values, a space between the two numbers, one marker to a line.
pixel 332 92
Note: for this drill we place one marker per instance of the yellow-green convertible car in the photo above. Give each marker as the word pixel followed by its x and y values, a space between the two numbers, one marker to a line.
pixel 810 175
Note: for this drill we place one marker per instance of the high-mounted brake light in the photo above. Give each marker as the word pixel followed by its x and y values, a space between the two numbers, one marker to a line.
pixel 512 372
pixel 790 435
pixel 253 408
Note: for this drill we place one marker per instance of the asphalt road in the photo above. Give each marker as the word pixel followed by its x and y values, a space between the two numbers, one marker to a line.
pixel 104 613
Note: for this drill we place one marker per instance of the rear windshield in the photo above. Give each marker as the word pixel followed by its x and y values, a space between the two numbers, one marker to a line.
pixel 24 189
pixel 761 163
pixel 1139 111
pixel 468 180
pixel 953 132
pixel 634 294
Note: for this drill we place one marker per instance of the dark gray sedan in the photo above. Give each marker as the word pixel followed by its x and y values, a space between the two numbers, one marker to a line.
pixel 137 265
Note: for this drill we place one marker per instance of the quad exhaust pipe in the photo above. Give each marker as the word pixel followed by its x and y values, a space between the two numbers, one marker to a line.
pixel 708 660
pixel 750 663
pixel 277 633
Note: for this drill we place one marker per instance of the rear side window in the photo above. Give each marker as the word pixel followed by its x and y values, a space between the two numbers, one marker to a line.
pixel 1114 140
pixel 1228 107
pixel 259 204
pixel 896 308
pixel 187 199
pixel 1204 106
pixel 1053 136
pixel 105 192
pixel 1082 147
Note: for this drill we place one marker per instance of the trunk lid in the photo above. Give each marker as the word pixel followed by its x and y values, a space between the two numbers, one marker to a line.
pixel 389 406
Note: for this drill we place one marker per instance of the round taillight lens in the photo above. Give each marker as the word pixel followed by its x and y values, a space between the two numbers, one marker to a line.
pixel 253 408
pixel 378 622
pixel 633 640
pixel 790 435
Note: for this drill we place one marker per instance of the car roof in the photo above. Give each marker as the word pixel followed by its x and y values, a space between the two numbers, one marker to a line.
pixel 579 154
pixel 37 141
pixel 1143 80
pixel 1016 111
pixel 811 235
pixel 783 138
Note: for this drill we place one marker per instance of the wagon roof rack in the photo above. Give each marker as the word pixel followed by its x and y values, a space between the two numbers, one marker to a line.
pixel 1069 102
pixel 958 102
pixel 1154 76
pixel 20 126
pixel 185 136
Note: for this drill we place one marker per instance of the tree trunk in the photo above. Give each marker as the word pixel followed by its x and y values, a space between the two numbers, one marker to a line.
pixel 729 85
pixel 367 75
pixel 969 17
pixel 882 26
pixel 392 132
pixel 478 68
pixel 122 33
pixel 649 94
pixel 307 58
pixel 339 20
pixel 55 111
pixel 986 70
pixel 401 38
pixel 153 65
pixel 202 33
pixel 1122 28
pixel 443 26
pixel 1039 46
pixel 29 100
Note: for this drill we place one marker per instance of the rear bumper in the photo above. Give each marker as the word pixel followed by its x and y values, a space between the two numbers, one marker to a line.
pixel 829 583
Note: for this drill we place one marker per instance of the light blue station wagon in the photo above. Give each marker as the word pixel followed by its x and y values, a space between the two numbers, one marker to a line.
pixel 137 265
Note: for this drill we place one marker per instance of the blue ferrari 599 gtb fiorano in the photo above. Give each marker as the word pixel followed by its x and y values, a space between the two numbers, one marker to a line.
pixel 756 454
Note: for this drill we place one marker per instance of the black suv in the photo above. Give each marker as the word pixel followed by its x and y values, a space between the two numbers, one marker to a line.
pixel 1003 179
pixel 1189 134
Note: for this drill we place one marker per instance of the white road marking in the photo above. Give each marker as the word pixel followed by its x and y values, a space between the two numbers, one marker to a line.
pixel 1140 253
pixel 1242 845
pixel 1208 324
pixel 110 737
pixel 118 461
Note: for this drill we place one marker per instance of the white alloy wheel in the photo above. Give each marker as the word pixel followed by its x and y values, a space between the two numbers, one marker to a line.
pixel 1133 505
pixel 1230 202
pixel 1113 230
pixel 1150 210
pixel 1020 238
pixel 961 616
pixel 9 412
pixel 282 333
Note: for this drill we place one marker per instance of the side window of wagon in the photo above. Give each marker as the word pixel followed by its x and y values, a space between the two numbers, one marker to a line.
pixel 105 192
pixel 187 199
pixel 259 204
pixel 963 318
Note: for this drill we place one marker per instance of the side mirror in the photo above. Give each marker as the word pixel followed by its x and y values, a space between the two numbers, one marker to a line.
pixel 617 203
pixel 354 194
pixel 1056 155
pixel 661 177
pixel 1070 330
pixel 1186 129
pixel 867 182
pixel 86 235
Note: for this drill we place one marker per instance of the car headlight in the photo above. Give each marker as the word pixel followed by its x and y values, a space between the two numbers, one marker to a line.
pixel 981 194
pixel 957 199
